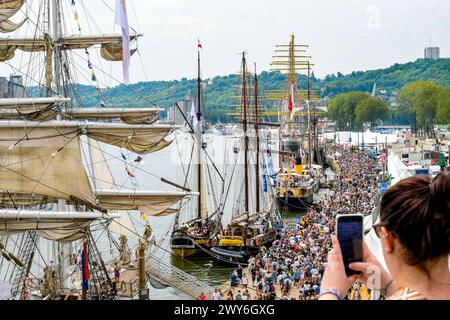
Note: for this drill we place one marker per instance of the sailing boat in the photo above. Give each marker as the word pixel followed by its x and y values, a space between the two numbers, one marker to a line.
pixel 50 188
pixel 297 180
pixel 191 238
pixel 251 226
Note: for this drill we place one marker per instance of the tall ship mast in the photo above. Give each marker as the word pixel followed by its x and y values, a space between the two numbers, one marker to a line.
pixel 57 191
pixel 191 238
pixel 252 223
pixel 296 181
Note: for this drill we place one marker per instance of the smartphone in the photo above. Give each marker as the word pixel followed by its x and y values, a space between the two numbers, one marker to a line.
pixel 349 231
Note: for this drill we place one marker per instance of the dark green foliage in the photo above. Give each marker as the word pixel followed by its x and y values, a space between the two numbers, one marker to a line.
pixel 220 91
pixel 426 103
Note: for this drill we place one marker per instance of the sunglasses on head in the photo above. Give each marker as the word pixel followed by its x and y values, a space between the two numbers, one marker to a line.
pixel 377 228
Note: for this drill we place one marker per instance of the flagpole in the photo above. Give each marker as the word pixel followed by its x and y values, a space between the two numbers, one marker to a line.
pixel 198 127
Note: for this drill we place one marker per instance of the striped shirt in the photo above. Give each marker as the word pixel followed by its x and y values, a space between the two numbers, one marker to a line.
pixel 407 294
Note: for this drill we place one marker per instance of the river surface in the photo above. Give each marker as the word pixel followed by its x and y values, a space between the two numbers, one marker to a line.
pixel 172 163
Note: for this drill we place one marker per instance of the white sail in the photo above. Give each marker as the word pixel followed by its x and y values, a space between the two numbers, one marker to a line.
pixel 41 160
pixel 102 178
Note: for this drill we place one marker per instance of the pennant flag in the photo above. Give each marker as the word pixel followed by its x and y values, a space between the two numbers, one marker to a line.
pixel 130 174
pixel 138 159
pixel 123 156
pixel 85 265
pixel 73 2
pixel 199 45
pixel 94 78
pixel 121 19
pixel 102 103
pixel 144 216
pixel 264 178
pixel 194 114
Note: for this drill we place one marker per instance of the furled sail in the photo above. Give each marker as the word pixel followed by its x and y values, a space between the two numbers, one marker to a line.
pixel 57 226
pixel 127 115
pixel 9 45
pixel 8 8
pixel 40 160
pixel 150 202
pixel 37 109
pixel 138 139
pixel 141 139
pixel 7 26
pixel 113 51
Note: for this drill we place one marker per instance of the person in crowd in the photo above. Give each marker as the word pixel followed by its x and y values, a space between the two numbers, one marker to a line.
pixel 216 295
pixel 244 281
pixel 202 296
pixel 414 230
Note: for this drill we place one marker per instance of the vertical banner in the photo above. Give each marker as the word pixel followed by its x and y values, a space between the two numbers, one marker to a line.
pixel 85 265
pixel 264 178
pixel 121 19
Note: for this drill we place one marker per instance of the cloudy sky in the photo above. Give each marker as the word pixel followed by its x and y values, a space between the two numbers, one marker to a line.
pixel 343 35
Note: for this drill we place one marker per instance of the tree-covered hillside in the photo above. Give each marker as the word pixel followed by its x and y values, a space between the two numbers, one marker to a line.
pixel 220 91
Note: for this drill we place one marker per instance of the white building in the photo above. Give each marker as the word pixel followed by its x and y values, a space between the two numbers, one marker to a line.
pixel 431 53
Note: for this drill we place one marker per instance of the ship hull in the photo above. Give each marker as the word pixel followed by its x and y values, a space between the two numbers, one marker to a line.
pixel 188 247
pixel 240 254
pixel 295 203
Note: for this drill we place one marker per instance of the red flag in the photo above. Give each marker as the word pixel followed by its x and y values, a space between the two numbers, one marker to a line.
pixel 291 98
pixel 199 45
pixel 130 174
pixel 85 265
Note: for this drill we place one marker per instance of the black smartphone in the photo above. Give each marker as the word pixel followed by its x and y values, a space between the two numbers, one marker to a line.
pixel 349 231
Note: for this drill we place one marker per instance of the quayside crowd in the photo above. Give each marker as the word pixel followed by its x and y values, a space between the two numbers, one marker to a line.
pixel 306 263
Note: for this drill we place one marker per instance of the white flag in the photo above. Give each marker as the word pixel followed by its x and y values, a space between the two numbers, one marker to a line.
pixel 194 114
pixel 121 19
pixel 295 107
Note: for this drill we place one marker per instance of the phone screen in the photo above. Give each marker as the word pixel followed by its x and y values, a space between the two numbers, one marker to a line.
pixel 349 234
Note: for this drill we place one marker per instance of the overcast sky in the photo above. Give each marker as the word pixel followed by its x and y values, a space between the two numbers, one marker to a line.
pixel 344 35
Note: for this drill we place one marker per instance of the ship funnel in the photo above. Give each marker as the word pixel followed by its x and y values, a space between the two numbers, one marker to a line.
pixel 298 165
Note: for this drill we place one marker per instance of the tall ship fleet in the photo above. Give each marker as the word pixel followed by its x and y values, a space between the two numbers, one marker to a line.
pixel 73 179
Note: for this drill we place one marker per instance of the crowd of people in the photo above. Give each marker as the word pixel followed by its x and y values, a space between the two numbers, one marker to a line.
pixel 293 267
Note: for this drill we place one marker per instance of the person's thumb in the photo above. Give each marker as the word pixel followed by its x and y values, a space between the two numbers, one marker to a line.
pixel 359 266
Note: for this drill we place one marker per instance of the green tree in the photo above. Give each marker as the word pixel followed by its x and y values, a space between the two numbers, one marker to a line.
pixel 443 107
pixel 342 108
pixel 370 109
pixel 428 102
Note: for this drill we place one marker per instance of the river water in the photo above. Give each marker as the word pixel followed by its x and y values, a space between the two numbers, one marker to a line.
pixel 171 163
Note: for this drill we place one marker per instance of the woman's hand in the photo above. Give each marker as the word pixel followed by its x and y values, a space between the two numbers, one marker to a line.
pixel 373 275
pixel 334 276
